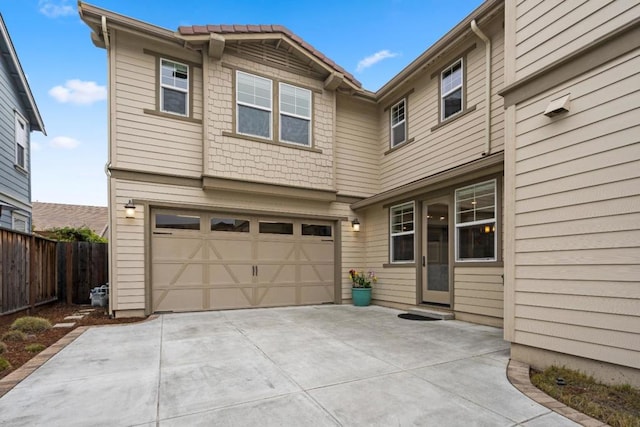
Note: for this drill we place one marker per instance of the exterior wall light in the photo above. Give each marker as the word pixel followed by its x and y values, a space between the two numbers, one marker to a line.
pixel 355 224
pixel 130 209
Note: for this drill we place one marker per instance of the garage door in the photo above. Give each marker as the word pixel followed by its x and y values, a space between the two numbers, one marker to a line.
pixel 217 261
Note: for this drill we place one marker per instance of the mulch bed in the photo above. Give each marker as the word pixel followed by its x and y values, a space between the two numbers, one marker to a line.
pixel 55 313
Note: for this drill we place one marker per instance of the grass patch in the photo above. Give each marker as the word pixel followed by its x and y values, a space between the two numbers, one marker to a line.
pixel 31 325
pixel 4 364
pixel 618 406
pixel 14 336
pixel 35 348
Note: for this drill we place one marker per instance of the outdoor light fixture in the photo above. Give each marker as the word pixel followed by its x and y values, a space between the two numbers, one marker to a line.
pixel 355 224
pixel 130 209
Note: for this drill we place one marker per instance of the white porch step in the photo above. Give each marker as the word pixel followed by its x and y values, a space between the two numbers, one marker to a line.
pixel 431 313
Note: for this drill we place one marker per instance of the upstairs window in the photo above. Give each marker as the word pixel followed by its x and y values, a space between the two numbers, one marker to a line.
pixel 451 90
pixel 253 98
pixel 174 87
pixel 21 136
pixel 476 222
pixel 398 123
pixel 295 114
pixel 402 232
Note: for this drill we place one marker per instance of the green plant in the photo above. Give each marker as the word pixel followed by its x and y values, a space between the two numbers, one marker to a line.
pixel 14 335
pixel 30 324
pixel 3 347
pixel 362 280
pixel 4 364
pixel 75 234
pixel 35 348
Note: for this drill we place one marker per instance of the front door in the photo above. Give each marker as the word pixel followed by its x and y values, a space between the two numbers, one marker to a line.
pixel 435 250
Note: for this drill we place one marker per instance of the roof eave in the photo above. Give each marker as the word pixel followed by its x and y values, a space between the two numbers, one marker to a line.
pixel 35 120
pixel 460 30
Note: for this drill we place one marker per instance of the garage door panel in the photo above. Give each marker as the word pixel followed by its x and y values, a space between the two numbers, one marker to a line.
pixel 317 252
pixel 226 298
pixel 177 248
pixel 177 300
pixel 229 250
pixel 316 273
pixel 274 296
pixel 270 274
pixel 275 250
pixel 225 274
pixel 316 294
pixel 177 274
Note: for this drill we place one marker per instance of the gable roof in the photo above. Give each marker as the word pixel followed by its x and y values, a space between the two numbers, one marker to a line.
pixel 55 215
pixel 8 52
pixel 195 30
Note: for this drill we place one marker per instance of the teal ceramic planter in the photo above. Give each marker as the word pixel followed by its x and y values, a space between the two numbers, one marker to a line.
pixel 361 296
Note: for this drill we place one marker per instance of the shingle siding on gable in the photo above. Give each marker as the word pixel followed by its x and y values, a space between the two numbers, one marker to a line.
pixel 15 186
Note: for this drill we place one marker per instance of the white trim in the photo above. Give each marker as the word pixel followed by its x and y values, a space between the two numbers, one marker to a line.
pixel 257 107
pixel 494 221
pixel 402 122
pixel 172 87
pixel 444 94
pixel 402 233
pixel 297 116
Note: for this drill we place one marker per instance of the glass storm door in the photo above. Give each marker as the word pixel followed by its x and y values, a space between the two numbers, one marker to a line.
pixel 435 253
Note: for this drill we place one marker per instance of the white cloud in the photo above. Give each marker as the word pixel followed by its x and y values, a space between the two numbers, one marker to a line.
pixel 79 92
pixel 374 59
pixel 54 9
pixel 64 142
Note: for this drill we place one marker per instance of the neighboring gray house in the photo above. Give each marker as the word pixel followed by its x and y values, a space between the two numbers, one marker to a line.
pixel 19 116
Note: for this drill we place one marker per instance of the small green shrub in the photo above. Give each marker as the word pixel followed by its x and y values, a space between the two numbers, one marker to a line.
pixel 14 335
pixel 35 348
pixel 4 364
pixel 3 347
pixel 31 325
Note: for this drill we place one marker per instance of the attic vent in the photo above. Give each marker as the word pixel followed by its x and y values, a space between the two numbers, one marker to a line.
pixel 279 57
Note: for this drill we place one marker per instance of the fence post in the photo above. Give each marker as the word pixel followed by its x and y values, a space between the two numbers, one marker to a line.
pixel 32 272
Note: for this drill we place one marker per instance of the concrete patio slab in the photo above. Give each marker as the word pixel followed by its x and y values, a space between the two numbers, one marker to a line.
pixel 320 365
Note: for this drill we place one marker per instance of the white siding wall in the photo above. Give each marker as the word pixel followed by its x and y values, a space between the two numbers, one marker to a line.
pixel 577 217
pixel 549 30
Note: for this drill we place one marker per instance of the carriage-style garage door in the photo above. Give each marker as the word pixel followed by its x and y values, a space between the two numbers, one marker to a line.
pixel 208 261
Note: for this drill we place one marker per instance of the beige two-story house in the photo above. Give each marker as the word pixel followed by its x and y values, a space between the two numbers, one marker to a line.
pixel 241 160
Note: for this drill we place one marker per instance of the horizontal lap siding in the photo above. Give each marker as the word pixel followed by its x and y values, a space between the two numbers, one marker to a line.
pixel 577 218
pixel 458 142
pixel 357 157
pixel 142 141
pixel 479 290
pixel 549 30
pixel 128 244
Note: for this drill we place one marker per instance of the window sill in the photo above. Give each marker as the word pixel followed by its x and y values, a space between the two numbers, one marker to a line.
pixel 400 265
pixel 478 264
pixel 271 142
pixel 21 169
pixel 453 118
pixel 399 146
pixel 171 116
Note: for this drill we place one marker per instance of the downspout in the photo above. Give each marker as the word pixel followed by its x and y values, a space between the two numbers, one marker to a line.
pixel 487 86
pixel 105 35
pixel 107 171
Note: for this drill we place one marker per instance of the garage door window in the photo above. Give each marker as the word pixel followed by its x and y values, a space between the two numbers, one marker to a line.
pixel 316 230
pixel 230 224
pixel 276 227
pixel 180 222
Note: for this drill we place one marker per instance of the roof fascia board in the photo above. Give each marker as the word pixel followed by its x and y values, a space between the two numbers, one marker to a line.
pixel 23 80
pixel 454 35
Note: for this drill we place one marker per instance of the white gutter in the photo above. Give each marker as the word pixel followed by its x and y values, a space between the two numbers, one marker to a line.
pixel 487 45
pixel 105 35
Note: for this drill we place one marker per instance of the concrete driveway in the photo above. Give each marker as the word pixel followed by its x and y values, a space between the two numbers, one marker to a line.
pixel 315 366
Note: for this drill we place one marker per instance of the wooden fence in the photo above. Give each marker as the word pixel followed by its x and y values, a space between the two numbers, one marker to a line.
pixel 27 271
pixel 35 270
pixel 81 267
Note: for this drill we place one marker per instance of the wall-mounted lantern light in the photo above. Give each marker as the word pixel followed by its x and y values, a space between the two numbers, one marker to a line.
pixel 130 209
pixel 355 224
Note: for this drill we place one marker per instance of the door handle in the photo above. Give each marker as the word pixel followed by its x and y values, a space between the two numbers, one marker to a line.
pixel 424 261
pixel 253 270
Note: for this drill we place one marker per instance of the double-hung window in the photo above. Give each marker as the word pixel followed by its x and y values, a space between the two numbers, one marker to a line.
pixel 295 114
pixel 398 123
pixel 253 98
pixel 22 136
pixel 174 87
pixel 451 90
pixel 476 222
pixel 402 233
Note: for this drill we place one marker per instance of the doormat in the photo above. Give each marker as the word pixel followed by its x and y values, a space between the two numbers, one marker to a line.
pixel 410 316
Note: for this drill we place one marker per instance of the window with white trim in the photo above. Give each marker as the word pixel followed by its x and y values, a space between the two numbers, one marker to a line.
pixel 253 99
pixel 398 123
pixel 21 136
pixel 174 87
pixel 19 222
pixel 295 114
pixel 476 222
pixel 402 233
pixel 451 90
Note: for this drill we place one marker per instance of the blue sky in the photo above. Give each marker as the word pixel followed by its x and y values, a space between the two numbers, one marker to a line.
pixel 373 39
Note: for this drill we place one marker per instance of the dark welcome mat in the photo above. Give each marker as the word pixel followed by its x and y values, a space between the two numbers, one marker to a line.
pixel 410 316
